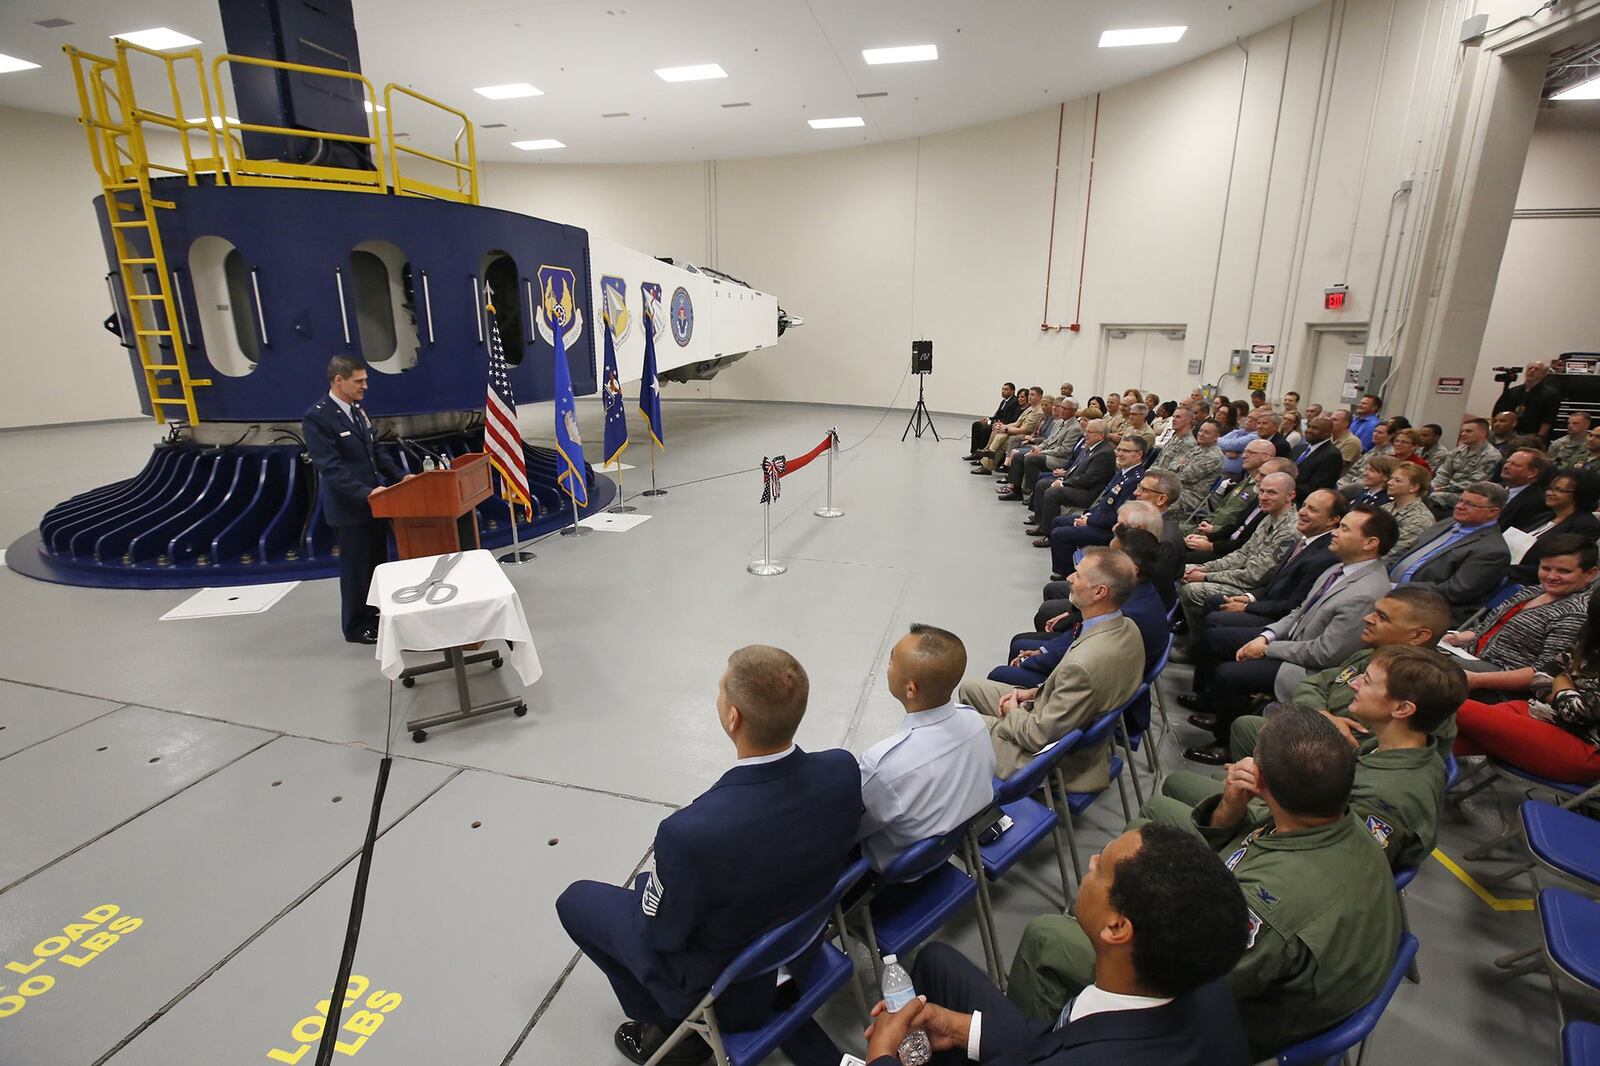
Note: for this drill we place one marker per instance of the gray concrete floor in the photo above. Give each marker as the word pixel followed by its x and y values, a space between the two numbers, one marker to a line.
pixel 213 778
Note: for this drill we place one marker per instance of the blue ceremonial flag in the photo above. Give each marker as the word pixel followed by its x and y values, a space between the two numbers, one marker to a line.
pixel 611 394
pixel 649 386
pixel 569 443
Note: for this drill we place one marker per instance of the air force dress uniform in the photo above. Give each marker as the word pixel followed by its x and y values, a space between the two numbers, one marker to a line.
pixel 768 840
pixel 349 466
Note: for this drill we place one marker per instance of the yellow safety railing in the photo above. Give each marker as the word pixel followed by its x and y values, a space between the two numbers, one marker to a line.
pixel 465 173
pixel 247 171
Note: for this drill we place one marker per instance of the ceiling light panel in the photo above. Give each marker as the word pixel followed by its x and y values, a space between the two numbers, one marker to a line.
pixel 1151 35
pixel 159 39
pixel 699 72
pixel 836 123
pixel 513 91
pixel 910 53
pixel 11 64
pixel 371 107
pixel 538 146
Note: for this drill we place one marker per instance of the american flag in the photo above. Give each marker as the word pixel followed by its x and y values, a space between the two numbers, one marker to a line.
pixel 501 438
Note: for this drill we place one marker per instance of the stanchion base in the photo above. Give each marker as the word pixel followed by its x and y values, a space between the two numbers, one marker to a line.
pixel 621 508
pixel 653 492
pixel 576 531
pixel 828 512
pixel 767 568
pixel 516 558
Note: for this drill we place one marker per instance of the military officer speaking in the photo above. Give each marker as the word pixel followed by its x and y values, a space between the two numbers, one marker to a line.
pixel 350 468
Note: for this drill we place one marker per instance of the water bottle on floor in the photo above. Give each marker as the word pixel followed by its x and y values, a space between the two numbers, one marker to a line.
pixel 897 992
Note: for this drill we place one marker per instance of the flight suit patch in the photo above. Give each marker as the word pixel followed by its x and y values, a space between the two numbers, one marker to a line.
pixel 1265 895
pixel 1254 927
pixel 1380 830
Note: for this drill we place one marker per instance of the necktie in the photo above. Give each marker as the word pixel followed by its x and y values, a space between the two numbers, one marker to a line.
pixel 1066 1013
pixel 1322 590
pixel 1298 548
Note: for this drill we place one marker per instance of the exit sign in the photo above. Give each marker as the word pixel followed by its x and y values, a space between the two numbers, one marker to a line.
pixel 1334 296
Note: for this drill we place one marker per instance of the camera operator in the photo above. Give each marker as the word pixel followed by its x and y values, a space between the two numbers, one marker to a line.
pixel 1536 401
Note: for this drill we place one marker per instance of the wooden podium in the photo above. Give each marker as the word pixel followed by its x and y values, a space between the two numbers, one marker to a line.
pixel 433 513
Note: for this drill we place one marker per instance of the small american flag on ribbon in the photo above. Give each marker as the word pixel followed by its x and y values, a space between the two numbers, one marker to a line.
pixel 501 438
pixel 833 440
pixel 772 478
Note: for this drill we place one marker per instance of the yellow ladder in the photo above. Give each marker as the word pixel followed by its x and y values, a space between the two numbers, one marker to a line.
pixel 116 143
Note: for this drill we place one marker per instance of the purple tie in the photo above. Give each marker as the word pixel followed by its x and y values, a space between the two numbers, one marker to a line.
pixel 1322 590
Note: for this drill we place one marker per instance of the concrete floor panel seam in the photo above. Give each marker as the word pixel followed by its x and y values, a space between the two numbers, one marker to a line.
pixel 136 815
pixel 668 804
pixel 876 669
pixel 253 937
pixel 64 732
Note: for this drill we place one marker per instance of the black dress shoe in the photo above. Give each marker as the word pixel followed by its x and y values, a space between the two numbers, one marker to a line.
pixel 1211 755
pixel 1191 702
pixel 366 636
pixel 981 472
pixel 1208 722
pixel 971 457
pixel 639 1040
pixel 1006 497
pixel 1030 531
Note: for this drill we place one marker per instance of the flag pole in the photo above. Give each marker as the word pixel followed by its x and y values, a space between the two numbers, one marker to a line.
pixel 652 490
pixel 622 507
pixel 575 530
pixel 515 556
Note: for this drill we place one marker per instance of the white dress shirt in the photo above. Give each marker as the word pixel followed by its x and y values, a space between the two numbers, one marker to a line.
pixel 929 777
pixel 1092 1000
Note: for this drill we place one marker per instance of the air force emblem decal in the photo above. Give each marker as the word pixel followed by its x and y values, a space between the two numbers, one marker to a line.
pixel 558 305
pixel 682 317
pixel 652 307
pixel 614 291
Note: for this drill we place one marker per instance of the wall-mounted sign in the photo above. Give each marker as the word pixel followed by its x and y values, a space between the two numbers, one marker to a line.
pixel 1263 355
pixel 1258 380
pixel 1450 386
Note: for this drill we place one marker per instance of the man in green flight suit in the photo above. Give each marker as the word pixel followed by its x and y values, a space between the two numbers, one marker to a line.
pixel 1323 912
pixel 1400 698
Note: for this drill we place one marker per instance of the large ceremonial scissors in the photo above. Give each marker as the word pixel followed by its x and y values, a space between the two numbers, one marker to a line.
pixel 435 590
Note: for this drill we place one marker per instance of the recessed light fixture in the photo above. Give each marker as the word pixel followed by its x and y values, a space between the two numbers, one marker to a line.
pixel 508 92
pixel 54 23
pixel 493 126
pixel 870 96
pixel 11 64
pixel 836 123
pixel 699 72
pixel 372 107
pixel 159 39
pixel 1584 90
pixel 1152 35
pixel 537 146
pixel 911 53
pixel 741 103
pixel 615 114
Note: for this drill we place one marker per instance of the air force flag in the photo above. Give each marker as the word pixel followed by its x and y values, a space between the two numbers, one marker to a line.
pixel 649 386
pixel 569 442
pixel 611 396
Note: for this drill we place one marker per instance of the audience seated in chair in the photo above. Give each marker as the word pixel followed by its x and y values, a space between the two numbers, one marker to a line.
pixel 1008 411
pixel 1474 459
pixel 1464 557
pixel 1406 488
pixel 1156 994
pixel 1323 915
pixel 1325 629
pixel 1162 573
pixel 1523 474
pixel 1078 483
pixel 1572 496
pixel 1215 529
pixel 1399 703
pixel 1556 733
pixel 1099 672
pixel 1319 459
pixel 759 847
pixel 1156 487
pixel 937 770
pixel 1247 569
pixel 994 451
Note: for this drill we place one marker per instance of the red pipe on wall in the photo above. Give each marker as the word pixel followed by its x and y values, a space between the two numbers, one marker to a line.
pixel 1094 140
pixel 1055 193
pixel 1088 194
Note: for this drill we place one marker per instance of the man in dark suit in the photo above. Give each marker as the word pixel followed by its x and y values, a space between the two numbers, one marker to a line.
pixel 768 840
pixel 1318 459
pixel 1524 474
pixel 1126 460
pixel 1007 412
pixel 1079 484
pixel 350 468
pixel 1464 557
pixel 1162 1001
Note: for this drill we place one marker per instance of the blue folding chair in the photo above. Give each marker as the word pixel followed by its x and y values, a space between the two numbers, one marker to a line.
pixel 1078 802
pixel 817 967
pixel 917 893
pixel 1569 924
pixel 1329 1046
pixel 1580 1044
pixel 1576 796
pixel 1452 771
pixel 1508 588
pixel 1403 878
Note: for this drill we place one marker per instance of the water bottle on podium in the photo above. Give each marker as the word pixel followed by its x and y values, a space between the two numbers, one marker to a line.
pixel 897 992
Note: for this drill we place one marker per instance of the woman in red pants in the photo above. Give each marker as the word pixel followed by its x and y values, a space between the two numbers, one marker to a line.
pixel 1557 733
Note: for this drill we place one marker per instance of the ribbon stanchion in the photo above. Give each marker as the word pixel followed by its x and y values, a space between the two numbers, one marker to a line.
pixel 772 475
pixel 828 510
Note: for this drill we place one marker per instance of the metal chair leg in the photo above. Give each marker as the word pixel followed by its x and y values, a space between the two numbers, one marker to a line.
pixel 987 931
pixel 1505 875
pixel 1413 973
pixel 844 942
pixel 1061 814
pixel 1132 762
pixel 1066 823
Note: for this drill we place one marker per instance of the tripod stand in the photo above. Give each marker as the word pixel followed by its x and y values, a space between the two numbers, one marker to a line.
pixel 920 418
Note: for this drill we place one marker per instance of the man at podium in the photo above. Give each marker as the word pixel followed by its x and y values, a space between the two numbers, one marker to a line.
pixel 350 468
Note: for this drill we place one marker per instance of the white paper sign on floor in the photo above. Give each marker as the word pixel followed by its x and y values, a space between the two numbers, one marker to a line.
pixel 612 468
pixel 216 603
pixel 614 523
pixel 2 557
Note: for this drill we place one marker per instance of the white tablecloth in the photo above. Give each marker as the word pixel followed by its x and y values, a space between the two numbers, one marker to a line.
pixel 485 607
